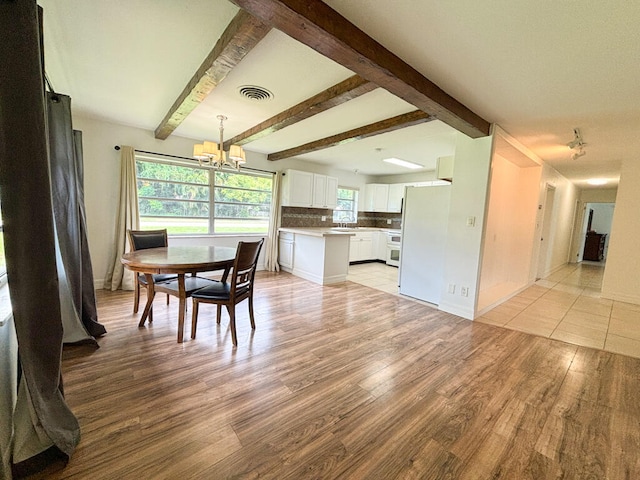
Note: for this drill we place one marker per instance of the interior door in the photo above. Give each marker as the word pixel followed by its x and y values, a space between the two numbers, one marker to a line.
pixel 545 232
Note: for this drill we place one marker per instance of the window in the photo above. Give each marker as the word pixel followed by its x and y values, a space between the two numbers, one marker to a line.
pixel 196 200
pixel 347 209
pixel 242 202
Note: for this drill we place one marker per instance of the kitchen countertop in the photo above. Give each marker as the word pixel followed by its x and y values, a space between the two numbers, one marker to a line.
pixel 326 231
pixel 317 231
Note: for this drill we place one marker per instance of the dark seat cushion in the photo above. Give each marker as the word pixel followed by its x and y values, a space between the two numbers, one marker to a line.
pixel 159 278
pixel 216 291
pixel 191 284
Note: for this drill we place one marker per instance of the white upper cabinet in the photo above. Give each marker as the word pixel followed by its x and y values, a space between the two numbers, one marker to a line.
pixel 297 189
pixel 332 193
pixel 376 196
pixel 305 189
pixel 396 194
pixel 444 168
pixel 319 190
pixel 325 191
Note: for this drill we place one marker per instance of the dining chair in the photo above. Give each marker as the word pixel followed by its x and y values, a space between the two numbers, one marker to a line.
pixel 140 240
pixel 231 293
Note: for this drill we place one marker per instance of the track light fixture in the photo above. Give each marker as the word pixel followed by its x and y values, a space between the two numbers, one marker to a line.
pixel 578 154
pixel 577 144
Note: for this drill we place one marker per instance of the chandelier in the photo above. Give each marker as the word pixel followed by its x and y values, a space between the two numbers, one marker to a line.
pixel 213 153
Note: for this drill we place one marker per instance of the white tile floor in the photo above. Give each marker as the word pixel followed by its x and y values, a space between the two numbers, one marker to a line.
pixel 565 306
pixel 375 275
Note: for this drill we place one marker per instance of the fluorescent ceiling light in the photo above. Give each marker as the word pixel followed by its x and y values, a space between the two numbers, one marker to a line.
pixel 596 181
pixel 403 163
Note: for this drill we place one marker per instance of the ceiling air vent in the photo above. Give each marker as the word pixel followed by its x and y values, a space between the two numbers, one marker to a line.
pixel 257 94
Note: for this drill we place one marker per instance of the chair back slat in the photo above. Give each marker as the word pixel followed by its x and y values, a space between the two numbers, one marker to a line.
pixel 229 294
pixel 142 239
pixel 244 266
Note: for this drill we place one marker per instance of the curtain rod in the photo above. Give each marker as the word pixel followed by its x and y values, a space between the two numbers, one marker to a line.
pixel 117 147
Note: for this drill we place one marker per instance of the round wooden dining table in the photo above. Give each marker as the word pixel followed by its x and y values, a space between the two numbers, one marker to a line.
pixel 180 260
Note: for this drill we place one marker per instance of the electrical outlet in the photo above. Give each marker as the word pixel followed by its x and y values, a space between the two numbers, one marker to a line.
pixel 464 291
pixel 452 288
pixel 388 221
pixel 323 218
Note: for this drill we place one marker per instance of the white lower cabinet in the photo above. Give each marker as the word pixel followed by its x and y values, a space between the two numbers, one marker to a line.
pixel 286 244
pixel 322 257
pixel 361 247
pixel 380 246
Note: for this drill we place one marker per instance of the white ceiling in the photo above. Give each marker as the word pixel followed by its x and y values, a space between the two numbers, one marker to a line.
pixel 536 68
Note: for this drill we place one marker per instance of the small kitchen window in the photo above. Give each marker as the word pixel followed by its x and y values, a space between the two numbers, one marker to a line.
pixel 347 208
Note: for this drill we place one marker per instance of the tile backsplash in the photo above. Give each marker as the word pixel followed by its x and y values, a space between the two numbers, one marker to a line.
pixel 312 217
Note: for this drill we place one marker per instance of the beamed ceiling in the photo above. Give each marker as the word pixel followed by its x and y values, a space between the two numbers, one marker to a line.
pixel 350 77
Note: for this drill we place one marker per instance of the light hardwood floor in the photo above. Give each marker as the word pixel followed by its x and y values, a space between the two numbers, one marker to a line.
pixel 565 306
pixel 345 382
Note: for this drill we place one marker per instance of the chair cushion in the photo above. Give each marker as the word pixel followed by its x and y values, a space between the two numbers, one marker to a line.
pixel 159 278
pixel 191 284
pixel 216 291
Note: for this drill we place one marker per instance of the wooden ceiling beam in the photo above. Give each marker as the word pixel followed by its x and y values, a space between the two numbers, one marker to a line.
pixel 241 35
pixel 318 26
pixel 333 96
pixel 389 125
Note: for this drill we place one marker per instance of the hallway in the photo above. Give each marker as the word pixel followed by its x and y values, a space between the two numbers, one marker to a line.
pixel 565 306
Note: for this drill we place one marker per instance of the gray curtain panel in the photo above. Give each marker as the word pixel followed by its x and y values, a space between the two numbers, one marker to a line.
pixel 28 222
pixel 65 162
pixel 89 310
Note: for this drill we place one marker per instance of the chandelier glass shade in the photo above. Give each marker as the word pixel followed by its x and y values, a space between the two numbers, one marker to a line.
pixel 213 153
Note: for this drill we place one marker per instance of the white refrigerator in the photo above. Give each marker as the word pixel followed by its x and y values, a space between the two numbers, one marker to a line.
pixel 425 216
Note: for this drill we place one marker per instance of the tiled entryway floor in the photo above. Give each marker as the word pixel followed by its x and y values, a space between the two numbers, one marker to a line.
pixel 375 275
pixel 565 306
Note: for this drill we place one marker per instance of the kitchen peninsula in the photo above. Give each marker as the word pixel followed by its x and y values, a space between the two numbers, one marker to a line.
pixel 320 255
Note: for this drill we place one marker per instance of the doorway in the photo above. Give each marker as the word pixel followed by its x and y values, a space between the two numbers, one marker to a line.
pixel 545 231
pixel 596 230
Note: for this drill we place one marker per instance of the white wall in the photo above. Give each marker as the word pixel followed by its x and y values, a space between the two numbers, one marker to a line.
pixel 406 178
pixel 509 232
pixel 602 216
pixel 562 220
pixel 102 180
pixel 599 195
pixel 621 279
pixel 468 199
